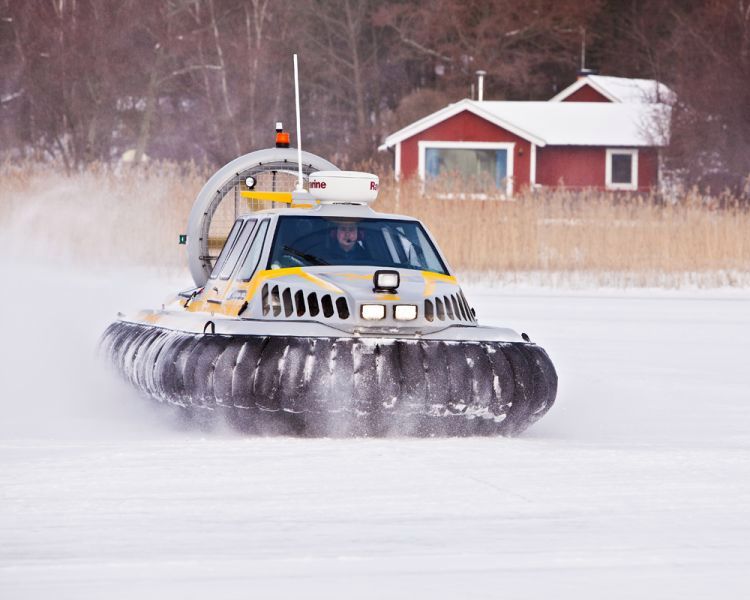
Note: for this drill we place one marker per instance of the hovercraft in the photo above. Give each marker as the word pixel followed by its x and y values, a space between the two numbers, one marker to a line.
pixel 326 318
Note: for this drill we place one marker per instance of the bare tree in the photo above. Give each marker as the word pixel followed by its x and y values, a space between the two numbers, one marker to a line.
pixel 341 48
pixel 257 17
pixel 712 79
pixel 83 80
pixel 517 43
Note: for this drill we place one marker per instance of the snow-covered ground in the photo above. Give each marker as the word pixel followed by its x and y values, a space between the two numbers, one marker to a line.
pixel 636 484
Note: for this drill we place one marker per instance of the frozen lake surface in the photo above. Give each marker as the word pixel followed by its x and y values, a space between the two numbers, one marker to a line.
pixel 636 483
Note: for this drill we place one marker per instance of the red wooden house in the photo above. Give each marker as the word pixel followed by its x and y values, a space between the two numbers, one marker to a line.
pixel 600 132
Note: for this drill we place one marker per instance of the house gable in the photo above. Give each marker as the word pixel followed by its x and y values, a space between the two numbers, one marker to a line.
pixel 615 89
pixel 586 93
pixel 582 89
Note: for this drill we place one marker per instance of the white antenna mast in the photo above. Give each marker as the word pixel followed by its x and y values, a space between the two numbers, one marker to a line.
pixel 299 127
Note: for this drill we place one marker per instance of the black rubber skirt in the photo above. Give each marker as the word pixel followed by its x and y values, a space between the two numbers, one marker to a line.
pixel 338 386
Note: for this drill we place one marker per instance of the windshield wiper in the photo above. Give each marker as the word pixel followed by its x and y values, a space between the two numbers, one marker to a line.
pixel 311 258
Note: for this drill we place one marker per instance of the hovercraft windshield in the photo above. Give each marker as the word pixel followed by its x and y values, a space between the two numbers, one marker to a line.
pixel 303 241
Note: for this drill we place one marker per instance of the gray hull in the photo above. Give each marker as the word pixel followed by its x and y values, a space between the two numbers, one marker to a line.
pixel 338 386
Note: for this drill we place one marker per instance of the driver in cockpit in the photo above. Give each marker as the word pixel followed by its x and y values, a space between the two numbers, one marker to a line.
pixel 348 246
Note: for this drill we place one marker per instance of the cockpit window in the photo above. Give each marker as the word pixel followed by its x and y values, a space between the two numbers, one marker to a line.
pixel 252 255
pixel 234 253
pixel 312 241
pixel 228 245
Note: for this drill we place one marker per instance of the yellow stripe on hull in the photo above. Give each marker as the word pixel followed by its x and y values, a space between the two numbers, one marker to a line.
pixel 285 197
pixel 431 279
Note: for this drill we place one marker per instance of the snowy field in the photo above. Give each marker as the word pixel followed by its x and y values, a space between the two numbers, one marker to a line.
pixel 636 484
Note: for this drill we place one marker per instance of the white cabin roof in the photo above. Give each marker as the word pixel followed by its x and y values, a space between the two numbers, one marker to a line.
pixel 560 123
pixel 622 89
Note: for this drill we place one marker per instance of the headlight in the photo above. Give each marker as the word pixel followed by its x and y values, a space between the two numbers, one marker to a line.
pixel 372 312
pixel 405 312
pixel 386 281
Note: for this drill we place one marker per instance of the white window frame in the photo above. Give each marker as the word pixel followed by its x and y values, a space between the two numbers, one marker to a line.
pixel 633 185
pixel 397 160
pixel 509 146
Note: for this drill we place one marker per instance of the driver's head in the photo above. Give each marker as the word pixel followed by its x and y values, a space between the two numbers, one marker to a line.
pixel 346 234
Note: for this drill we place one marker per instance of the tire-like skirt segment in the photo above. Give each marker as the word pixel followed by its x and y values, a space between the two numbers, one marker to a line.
pixel 338 386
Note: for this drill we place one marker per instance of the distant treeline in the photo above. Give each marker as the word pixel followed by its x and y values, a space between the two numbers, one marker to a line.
pixel 86 80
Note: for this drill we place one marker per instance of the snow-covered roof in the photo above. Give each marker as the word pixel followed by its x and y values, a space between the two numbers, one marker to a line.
pixel 560 123
pixel 622 89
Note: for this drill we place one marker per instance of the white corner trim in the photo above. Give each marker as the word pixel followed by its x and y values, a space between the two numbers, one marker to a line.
pixel 659 170
pixel 509 146
pixel 633 185
pixel 397 162
pixel 532 166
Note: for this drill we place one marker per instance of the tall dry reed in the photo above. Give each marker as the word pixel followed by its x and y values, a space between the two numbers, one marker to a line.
pixel 101 216
pixel 107 215
pixel 590 231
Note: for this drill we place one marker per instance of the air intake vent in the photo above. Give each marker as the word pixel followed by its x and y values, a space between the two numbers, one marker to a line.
pixel 299 303
pixel 464 314
pixel 429 311
pixel 448 307
pixel 264 300
pixel 452 307
pixel 312 304
pixel 327 305
pixel 342 308
pixel 275 301
pixel 456 311
pixel 439 309
pixel 286 296
pixel 466 306
pixel 293 303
